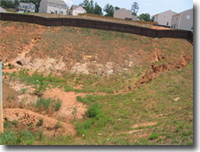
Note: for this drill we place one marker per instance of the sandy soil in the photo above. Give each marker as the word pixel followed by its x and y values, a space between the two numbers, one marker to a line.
pixel 160 28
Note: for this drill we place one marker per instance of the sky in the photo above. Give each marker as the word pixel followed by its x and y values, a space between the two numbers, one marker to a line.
pixel 145 6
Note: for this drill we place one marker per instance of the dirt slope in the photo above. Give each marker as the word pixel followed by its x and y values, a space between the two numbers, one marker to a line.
pixel 70 49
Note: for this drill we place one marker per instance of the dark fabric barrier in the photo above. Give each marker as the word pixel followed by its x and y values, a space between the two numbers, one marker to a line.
pixel 98 25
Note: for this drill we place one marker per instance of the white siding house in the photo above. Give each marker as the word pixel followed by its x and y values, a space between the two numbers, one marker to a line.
pixel 75 10
pixel 53 7
pixel 164 18
pixel 183 20
pixel 124 14
pixel 26 7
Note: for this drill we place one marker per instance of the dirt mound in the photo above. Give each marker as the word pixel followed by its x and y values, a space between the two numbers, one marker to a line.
pixel 70 109
pixel 50 126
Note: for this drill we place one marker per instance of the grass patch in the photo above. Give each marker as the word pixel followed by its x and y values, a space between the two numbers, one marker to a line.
pixel 47 104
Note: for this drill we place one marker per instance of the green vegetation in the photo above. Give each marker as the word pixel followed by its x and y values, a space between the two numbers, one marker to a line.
pixel 40 85
pixel 47 104
pixel 115 103
pixel 153 136
pixel 110 115
pixel 41 121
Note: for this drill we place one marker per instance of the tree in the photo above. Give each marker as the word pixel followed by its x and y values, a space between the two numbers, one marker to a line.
pixel 88 6
pixel 135 7
pixel 37 5
pixel 145 17
pixel 16 3
pixel 10 4
pixel 85 4
pixel 109 9
pixel 134 13
pixel 152 19
pixel 97 9
pixel 116 8
pixel 91 8
pixel 3 3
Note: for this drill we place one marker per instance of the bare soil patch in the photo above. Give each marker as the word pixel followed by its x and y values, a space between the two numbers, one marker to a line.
pixel 144 125
pixel 49 126
pixel 70 109
pixel 79 50
pixel 161 28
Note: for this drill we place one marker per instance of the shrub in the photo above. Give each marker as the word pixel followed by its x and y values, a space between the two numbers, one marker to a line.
pixel 153 136
pixel 10 65
pixel 40 85
pixel 41 121
pixel 93 111
pixel 58 125
pixel 82 127
pixel 48 103
pixel 68 88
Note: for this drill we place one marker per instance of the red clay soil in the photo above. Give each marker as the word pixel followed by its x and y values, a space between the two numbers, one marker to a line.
pixel 36 44
pixel 49 126
pixel 33 42
pixel 70 108
pixel 156 69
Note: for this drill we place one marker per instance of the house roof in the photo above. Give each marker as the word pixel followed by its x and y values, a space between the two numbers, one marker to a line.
pixel 186 10
pixel 74 7
pixel 1 9
pixel 60 2
pixel 122 9
pixel 182 12
pixel 25 4
pixel 164 12
pixel 176 14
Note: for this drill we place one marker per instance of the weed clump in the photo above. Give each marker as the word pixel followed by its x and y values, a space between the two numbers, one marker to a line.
pixel 93 111
pixel 153 136
pixel 47 104
pixel 40 85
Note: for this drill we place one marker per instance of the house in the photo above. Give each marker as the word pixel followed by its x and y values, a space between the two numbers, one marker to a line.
pixel 26 7
pixel 53 7
pixel 164 18
pixel 124 14
pixel 183 20
pixel 75 10
pixel 2 10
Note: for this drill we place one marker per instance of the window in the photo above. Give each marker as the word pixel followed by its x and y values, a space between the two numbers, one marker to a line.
pixel 167 23
pixel 54 5
pixel 192 27
pixel 188 17
pixel 164 16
